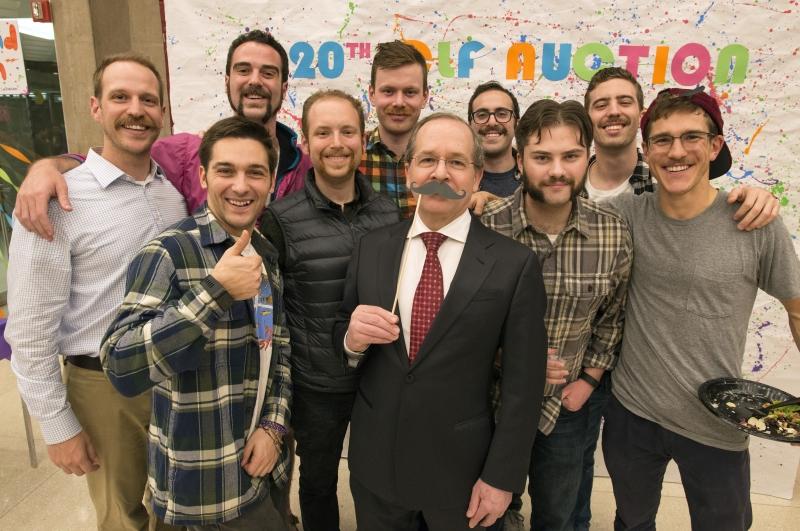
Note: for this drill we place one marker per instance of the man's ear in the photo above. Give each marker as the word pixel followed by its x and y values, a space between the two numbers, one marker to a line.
pixel 716 146
pixel 203 181
pixel 94 109
pixel 478 177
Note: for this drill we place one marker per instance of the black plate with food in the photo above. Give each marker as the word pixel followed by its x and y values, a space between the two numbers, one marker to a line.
pixel 733 400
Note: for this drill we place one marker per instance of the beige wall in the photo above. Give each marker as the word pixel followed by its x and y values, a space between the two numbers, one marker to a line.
pixel 88 30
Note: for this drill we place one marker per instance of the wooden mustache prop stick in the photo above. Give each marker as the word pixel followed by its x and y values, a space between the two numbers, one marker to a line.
pixel 430 188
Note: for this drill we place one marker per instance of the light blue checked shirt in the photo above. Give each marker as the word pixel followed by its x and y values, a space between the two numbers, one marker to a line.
pixel 62 295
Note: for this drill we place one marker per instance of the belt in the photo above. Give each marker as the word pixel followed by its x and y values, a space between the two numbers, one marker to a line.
pixel 91 363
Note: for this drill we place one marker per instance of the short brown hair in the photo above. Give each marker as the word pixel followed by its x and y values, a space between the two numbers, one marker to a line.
pixel 477 146
pixel 607 74
pixel 130 57
pixel 486 87
pixel 237 127
pixel 395 54
pixel 544 114
pixel 261 37
pixel 331 93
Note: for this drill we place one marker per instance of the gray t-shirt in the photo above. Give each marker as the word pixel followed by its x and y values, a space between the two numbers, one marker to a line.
pixel 690 298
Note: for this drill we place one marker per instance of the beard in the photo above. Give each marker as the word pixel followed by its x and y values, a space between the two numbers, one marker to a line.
pixel 269 112
pixel 536 193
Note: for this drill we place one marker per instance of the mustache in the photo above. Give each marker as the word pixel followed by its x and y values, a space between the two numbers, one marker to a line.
pixel 256 90
pixel 492 129
pixel 439 188
pixel 561 180
pixel 125 121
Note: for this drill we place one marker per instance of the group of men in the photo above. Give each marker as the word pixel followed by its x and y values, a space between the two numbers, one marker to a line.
pixel 470 353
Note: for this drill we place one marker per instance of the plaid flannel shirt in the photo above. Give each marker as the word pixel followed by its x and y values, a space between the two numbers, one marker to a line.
pixel 586 273
pixel 641 180
pixel 181 333
pixel 387 173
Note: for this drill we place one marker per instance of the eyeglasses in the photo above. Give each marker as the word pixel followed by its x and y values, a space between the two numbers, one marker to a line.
pixel 501 115
pixel 688 139
pixel 427 162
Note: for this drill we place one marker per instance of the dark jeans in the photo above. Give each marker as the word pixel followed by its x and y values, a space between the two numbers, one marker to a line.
pixel 582 514
pixel 637 451
pixel 557 468
pixel 320 422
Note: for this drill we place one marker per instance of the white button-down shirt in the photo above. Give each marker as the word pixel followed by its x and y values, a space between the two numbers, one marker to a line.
pixel 62 295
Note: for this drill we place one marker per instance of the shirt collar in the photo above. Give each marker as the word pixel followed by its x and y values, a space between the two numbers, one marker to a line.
pixel 641 172
pixel 374 142
pixel 519 220
pixel 106 173
pixel 373 138
pixel 455 230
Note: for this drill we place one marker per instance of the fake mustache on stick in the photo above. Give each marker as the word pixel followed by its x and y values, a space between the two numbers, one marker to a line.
pixel 439 188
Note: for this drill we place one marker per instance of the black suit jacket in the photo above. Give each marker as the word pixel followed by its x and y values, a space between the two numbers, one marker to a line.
pixel 421 435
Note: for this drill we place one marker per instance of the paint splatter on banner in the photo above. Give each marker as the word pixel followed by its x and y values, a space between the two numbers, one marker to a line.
pixel 12 68
pixel 745 52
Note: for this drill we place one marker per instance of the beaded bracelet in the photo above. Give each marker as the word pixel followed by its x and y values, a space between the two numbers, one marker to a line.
pixel 268 424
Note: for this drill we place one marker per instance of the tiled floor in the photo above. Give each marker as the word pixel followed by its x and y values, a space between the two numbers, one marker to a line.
pixel 46 499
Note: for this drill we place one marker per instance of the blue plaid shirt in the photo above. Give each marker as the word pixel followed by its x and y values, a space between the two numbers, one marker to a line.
pixel 179 332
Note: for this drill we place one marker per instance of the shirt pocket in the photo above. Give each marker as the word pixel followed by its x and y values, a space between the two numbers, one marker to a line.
pixel 570 315
pixel 712 293
pixel 583 296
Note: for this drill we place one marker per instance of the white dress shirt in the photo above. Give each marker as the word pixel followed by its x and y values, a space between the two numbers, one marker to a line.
pixel 411 269
pixel 62 295
pixel 449 256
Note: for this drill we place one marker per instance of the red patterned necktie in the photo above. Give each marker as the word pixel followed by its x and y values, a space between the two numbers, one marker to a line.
pixel 429 294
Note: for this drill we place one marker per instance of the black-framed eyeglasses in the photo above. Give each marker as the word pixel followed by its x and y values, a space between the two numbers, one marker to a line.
pixel 501 115
pixel 427 162
pixel 688 139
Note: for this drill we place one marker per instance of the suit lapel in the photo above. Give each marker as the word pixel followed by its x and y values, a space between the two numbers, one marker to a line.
pixel 474 266
pixel 390 254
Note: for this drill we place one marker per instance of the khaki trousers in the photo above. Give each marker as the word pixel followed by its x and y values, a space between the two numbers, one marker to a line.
pixel 117 427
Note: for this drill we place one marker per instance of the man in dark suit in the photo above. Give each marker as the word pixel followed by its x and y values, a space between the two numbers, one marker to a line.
pixel 424 445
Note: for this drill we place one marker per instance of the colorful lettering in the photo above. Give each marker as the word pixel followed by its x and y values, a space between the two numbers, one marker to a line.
pixel 660 65
pixel 521 56
pixel 465 62
pixel 556 68
pixel 331 59
pixel 445 68
pixel 633 54
pixel 699 52
pixel 602 56
pixel 732 64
